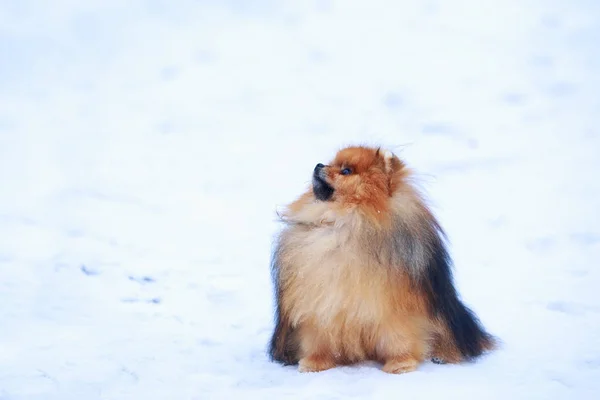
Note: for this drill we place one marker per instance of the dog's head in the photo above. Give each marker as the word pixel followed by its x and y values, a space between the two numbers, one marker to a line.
pixel 357 175
pixel 362 179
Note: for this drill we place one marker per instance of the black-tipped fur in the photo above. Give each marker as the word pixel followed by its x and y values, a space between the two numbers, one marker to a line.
pixel 283 346
pixel 470 337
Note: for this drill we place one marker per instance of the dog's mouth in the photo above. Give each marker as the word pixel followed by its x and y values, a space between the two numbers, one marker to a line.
pixel 322 190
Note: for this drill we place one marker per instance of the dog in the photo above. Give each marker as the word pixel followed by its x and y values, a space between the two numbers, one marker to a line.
pixel 361 272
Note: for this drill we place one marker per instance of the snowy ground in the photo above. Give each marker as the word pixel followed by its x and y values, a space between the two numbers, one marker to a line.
pixel 145 145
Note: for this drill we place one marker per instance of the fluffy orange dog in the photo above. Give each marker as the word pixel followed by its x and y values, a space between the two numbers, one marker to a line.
pixel 362 273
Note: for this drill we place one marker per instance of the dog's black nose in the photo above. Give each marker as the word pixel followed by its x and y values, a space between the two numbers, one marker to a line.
pixel 318 167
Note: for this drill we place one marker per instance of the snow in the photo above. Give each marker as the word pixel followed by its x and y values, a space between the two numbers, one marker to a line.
pixel 145 146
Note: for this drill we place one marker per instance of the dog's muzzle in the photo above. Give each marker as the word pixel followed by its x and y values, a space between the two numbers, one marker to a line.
pixel 322 190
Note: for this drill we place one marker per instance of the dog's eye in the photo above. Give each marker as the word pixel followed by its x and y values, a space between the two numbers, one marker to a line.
pixel 346 171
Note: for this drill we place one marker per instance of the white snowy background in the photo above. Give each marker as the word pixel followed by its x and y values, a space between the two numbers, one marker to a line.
pixel 145 146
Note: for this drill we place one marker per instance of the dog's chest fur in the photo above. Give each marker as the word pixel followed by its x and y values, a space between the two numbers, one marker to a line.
pixel 329 278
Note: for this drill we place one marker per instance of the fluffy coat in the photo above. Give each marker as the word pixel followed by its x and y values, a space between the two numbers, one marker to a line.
pixel 361 272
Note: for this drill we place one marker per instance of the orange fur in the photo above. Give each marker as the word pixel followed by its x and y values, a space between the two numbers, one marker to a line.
pixel 345 284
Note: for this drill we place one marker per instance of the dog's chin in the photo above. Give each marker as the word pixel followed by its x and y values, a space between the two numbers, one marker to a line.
pixel 321 189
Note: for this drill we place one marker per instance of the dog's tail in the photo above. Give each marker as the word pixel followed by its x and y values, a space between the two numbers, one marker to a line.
pixel 464 330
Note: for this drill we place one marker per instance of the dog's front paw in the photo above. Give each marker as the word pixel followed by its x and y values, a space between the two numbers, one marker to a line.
pixel 400 366
pixel 315 364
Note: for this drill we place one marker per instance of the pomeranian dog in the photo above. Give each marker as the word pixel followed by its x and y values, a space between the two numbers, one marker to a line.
pixel 362 273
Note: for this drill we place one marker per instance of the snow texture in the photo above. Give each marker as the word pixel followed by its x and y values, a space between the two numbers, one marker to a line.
pixel 145 147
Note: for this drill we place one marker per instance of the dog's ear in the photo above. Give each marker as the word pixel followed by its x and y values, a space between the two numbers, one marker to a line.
pixel 391 162
pixel 393 167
